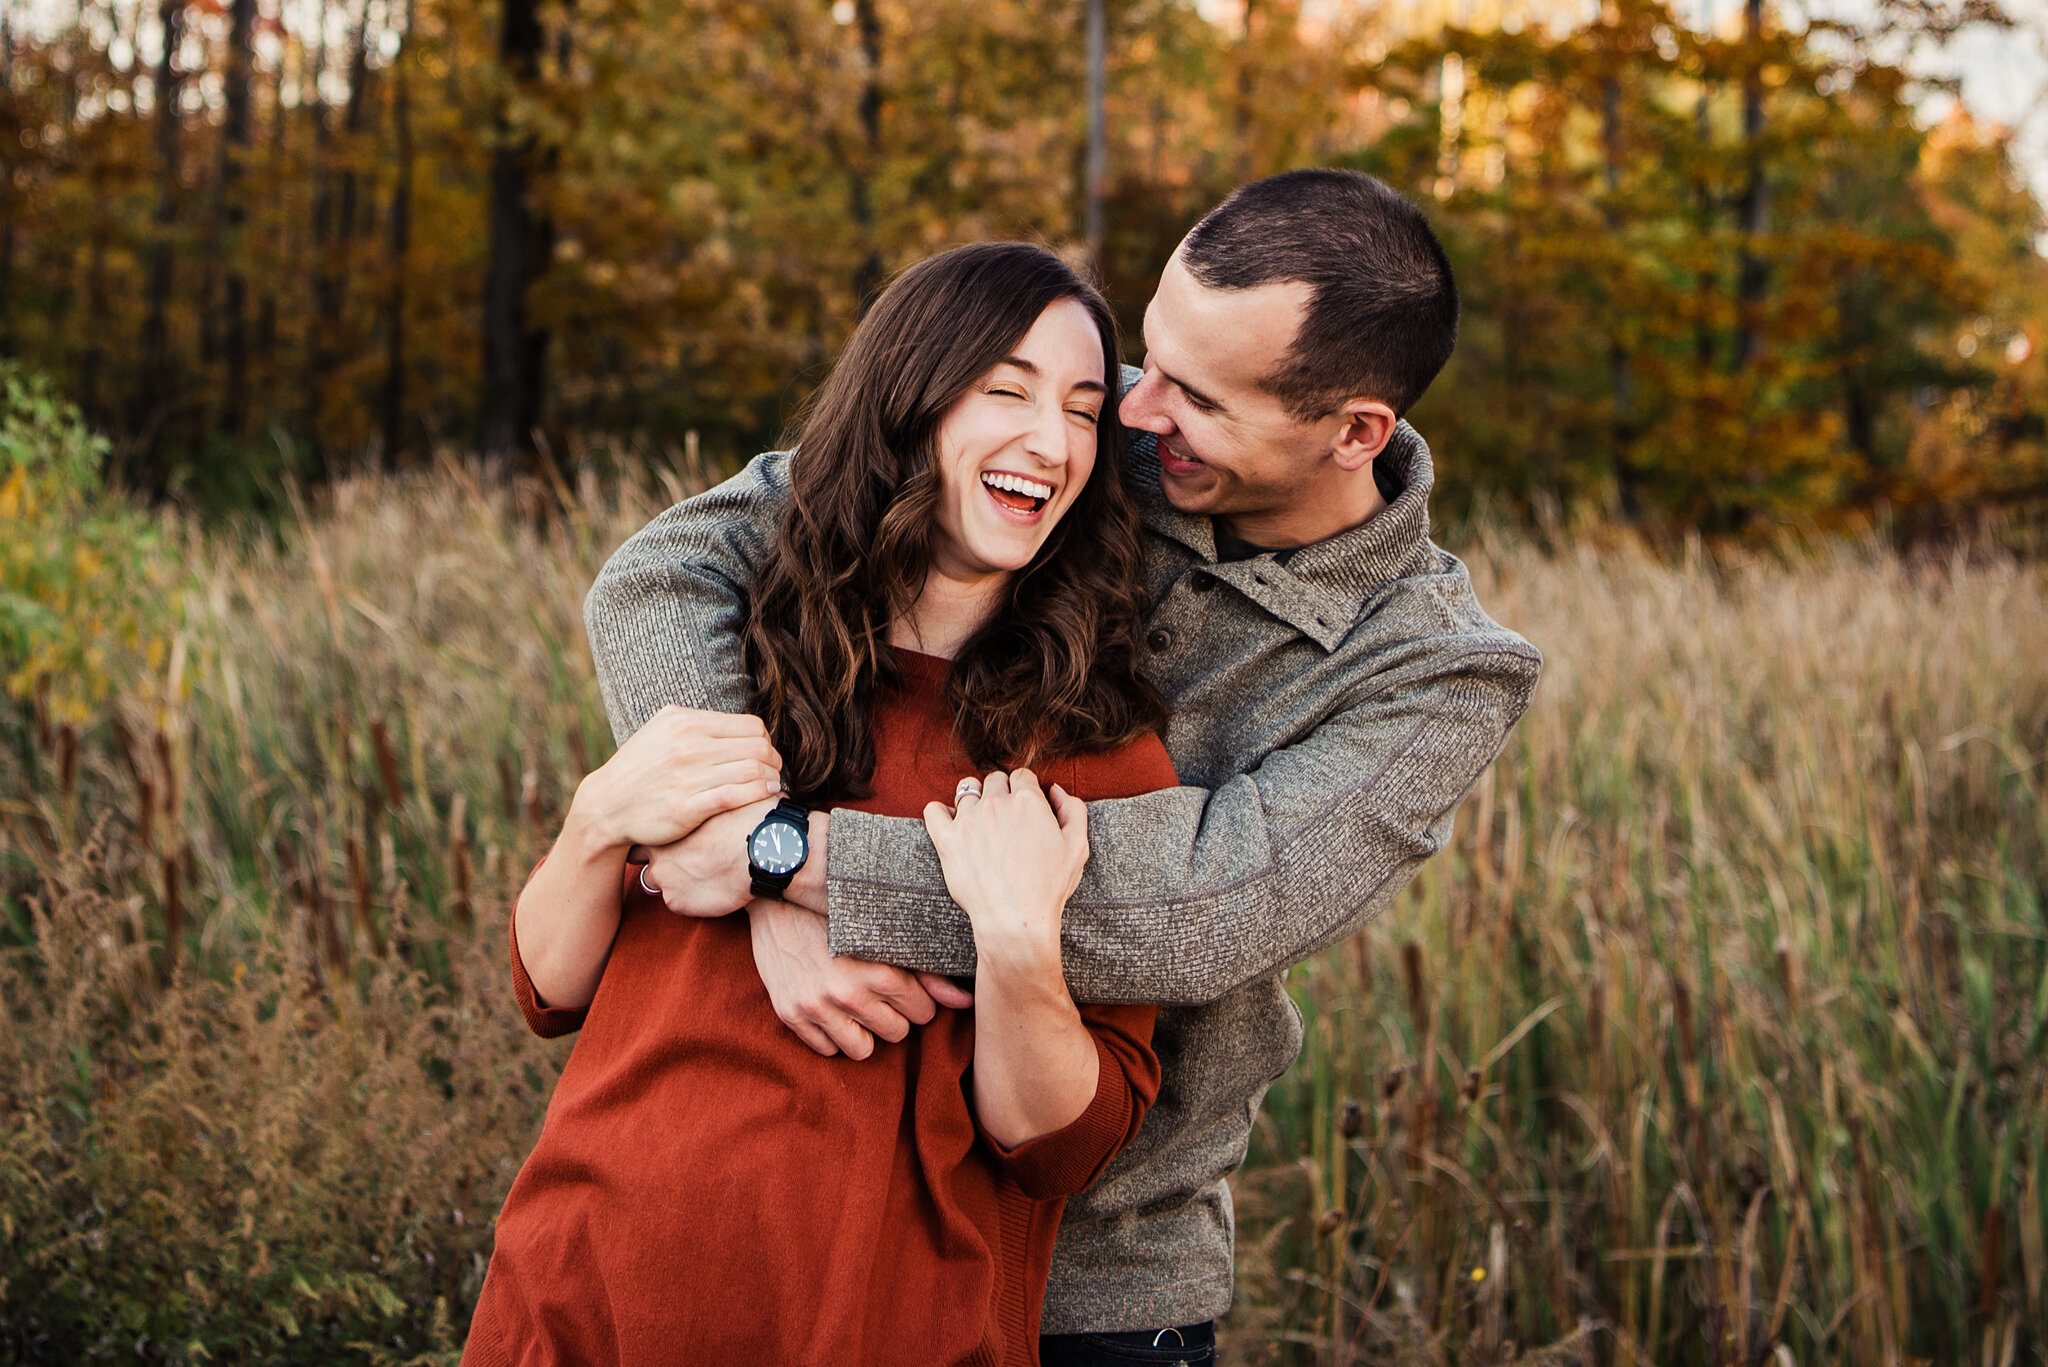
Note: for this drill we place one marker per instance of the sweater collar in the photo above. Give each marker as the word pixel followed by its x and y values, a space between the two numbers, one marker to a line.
pixel 1324 586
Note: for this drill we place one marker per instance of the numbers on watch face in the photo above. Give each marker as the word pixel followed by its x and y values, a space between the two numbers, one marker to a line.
pixel 777 847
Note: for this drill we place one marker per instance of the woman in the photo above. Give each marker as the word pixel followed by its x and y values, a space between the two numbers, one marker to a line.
pixel 955 587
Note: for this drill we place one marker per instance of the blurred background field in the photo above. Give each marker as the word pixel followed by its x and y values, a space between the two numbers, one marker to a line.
pixel 341 340
pixel 1718 1033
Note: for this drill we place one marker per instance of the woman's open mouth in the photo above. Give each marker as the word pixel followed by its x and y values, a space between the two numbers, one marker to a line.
pixel 1015 492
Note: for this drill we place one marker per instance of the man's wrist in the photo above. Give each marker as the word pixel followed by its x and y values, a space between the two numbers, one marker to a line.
pixel 807 887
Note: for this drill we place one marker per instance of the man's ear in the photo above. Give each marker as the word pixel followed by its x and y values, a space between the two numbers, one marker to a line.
pixel 1367 427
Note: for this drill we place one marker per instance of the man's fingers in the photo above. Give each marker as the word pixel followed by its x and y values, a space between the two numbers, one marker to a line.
pixel 1023 781
pixel 881 1019
pixel 850 1035
pixel 815 1039
pixel 905 995
pixel 945 991
pixel 996 785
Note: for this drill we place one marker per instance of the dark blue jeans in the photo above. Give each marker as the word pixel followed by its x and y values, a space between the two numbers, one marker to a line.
pixel 1191 1344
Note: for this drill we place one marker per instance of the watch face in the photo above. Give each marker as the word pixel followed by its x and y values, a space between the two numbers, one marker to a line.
pixel 777 847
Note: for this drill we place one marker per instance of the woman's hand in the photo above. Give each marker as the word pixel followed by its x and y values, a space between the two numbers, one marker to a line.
pixel 1012 857
pixel 670 776
pixel 679 770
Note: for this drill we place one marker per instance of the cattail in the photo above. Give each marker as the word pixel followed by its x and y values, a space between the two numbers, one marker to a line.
pixel 174 914
pixel 1352 1121
pixel 1361 958
pixel 387 764
pixel 145 812
pixel 1788 976
pixel 1471 1089
pixel 458 858
pixel 579 745
pixel 508 789
pixel 465 907
pixel 1990 1254
pixel 172 806
pixel 1391 1084
pixel 328 928
pixel 67 759
pixel 1411 972
pixel 42 710
pixel 359 891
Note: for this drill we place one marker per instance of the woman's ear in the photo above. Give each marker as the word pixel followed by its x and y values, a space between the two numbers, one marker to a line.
pixel 1368 425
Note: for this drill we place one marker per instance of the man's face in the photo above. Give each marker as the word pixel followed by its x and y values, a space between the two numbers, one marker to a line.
pixel 1227 447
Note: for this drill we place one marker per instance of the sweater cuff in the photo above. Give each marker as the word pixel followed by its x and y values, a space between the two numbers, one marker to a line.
pixel 549 1022
pixel 886 897
pixel 1065 1161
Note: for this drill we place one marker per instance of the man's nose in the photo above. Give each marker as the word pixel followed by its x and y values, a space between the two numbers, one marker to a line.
pixel 1141 407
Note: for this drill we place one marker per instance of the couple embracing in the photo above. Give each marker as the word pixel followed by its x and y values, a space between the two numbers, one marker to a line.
pixel 984 763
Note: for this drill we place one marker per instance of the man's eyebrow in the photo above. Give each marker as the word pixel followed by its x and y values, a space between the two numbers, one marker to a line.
pixel 1029 369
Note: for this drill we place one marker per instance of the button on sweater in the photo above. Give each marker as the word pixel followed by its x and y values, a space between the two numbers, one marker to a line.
pixel 707 1189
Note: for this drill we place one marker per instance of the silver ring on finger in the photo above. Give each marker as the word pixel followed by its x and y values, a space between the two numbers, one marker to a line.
pixel 646 886
pixel 966 788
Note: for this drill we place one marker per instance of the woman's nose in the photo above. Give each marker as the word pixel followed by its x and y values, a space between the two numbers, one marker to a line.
pixel 1047 439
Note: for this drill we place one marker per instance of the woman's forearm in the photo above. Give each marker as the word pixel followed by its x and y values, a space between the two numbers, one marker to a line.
pixel 568 914
pixel 1036 1067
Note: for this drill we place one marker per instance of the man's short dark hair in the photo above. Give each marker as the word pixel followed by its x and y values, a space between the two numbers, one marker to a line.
pixel 1383 315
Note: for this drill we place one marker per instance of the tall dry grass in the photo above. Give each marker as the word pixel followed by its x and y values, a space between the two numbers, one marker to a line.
pixel 1717 1033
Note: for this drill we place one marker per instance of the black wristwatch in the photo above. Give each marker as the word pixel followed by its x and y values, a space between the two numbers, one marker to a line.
pixel 778 848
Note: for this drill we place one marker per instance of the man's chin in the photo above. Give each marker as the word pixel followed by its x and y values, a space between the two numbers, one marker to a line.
pixel 1193 493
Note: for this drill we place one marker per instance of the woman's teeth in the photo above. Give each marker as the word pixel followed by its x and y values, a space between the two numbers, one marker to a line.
pixel 1016 492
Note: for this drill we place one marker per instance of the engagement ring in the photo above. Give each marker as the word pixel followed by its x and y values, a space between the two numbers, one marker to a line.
pixel 966 788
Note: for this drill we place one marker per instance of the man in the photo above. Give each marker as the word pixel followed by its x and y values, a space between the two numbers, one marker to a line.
pixel 1336 690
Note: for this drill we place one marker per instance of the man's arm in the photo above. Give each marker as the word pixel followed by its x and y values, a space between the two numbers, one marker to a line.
pixel 666 612
pixel 1192 894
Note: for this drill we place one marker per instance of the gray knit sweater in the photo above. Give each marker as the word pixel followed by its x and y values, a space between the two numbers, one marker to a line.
pixel 1328 716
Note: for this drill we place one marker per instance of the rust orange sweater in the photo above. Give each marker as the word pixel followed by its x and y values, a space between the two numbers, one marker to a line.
pixel 707 1189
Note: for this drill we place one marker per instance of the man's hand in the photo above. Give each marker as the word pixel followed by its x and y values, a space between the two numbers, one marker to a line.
pixel 838 1006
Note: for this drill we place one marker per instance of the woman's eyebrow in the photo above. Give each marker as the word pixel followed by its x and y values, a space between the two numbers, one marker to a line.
pixel 1029 369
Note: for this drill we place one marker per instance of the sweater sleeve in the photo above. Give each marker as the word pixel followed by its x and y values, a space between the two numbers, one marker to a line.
pixel 551 1022
pixel 1066 1161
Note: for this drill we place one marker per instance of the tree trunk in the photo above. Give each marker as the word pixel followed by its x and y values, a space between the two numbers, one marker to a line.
pixel 7 228
pixel 158 392
pixel 1619 379
pixel 392 399
pixel 867 276
pixel 1752 274
pixel 326 302
pixel 231 214
pixel 522 239
pixel 1098 138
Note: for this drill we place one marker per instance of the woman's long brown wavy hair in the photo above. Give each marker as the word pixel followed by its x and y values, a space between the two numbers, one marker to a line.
pixel 1055 670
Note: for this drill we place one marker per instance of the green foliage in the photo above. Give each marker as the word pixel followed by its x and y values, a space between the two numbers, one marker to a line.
pixel 83 580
